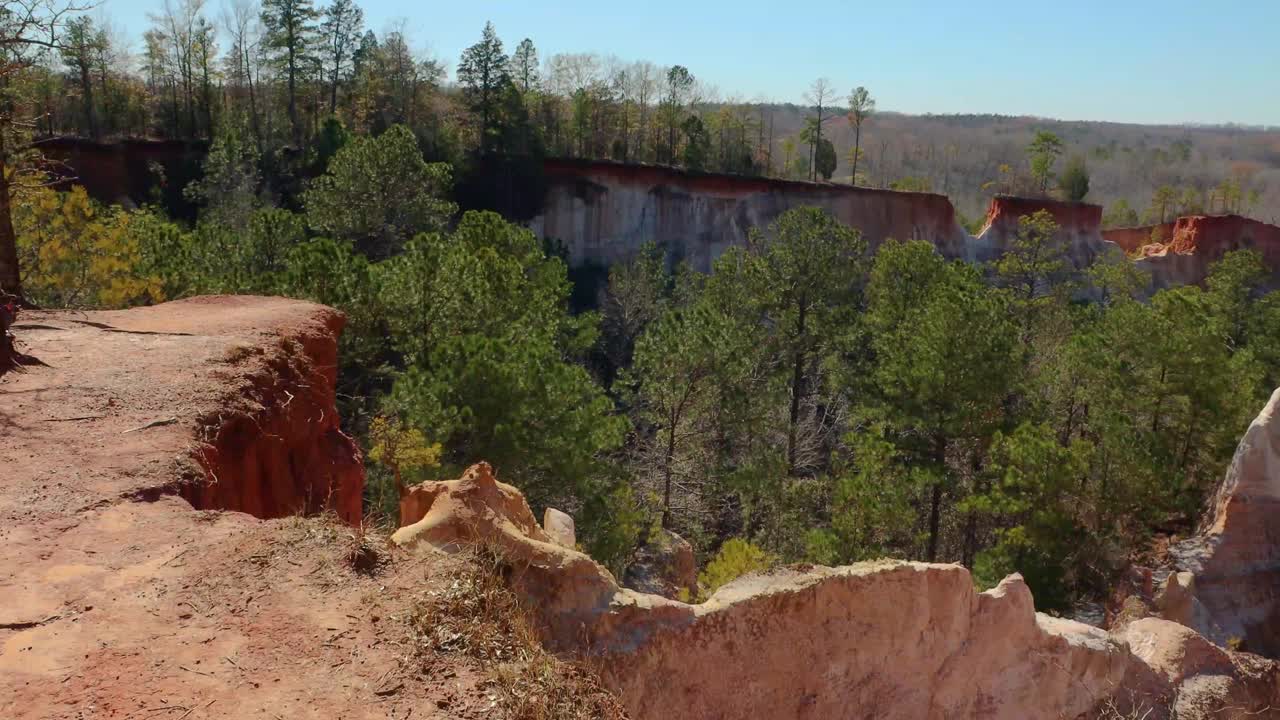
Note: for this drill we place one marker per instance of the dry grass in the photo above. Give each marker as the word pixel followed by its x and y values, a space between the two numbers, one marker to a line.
pixel 478 616
pixel 362 554
pixel 1112 711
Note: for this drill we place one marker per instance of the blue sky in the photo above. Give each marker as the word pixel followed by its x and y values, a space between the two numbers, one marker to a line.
pixel 1124 60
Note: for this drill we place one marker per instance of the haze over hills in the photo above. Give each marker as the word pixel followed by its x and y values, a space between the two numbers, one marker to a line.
pixel 961 155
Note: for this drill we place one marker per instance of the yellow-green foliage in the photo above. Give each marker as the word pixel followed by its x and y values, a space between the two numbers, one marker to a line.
pixel 402 451
pixel 75 254
pixel 736 558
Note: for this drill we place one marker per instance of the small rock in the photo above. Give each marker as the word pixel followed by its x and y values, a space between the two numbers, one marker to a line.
pixel 560 527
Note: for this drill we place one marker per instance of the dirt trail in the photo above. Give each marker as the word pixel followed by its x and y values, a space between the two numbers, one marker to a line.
pixel 118 600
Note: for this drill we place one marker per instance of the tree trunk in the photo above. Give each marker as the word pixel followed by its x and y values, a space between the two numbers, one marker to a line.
pixel 293 97
pixel 817 143
pixel 10 278
pixel 971 520
pixel 857 147
pixel 935 499
pixel 108 116
pixel 253 103
pixel 333 91
pixel 669 462
pixel 797 383
pixel 935 517
pixel 86 83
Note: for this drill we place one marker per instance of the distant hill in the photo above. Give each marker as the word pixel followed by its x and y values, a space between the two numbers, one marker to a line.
pixel 960 154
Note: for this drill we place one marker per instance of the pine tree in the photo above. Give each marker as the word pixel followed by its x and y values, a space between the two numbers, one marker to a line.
pixel 524 66
pixel 290 32
pixel 341 30
pixel 810 271
pixel 79 48
pixel 484 75
pixel 679 85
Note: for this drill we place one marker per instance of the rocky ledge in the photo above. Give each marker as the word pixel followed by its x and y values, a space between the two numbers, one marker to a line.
pixel 892 639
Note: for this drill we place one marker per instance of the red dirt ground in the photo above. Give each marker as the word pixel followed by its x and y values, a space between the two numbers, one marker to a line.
pixel 118 600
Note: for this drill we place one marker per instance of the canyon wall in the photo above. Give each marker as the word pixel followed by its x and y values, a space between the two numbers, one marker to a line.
pixel 603 212
pixel 884 639
pixel 124 171
pixel 1180 252
pixel 1079 228
pixel 254 385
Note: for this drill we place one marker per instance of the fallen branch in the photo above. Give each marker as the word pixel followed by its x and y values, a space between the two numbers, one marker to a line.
pixel 153 423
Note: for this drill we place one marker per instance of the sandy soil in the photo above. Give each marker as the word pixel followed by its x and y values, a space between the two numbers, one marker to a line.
pixel 118 600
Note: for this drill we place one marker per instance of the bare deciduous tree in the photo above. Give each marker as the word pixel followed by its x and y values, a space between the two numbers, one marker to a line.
pixel 861 105
pixel 819 95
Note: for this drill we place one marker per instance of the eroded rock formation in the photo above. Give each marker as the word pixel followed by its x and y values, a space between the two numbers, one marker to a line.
pixel 1180 252
pixel 124 171
pixel 1225 582
pixel 1079 228
pixel 117 598
pixel 885 639
pixel 604 212
pixel 280 449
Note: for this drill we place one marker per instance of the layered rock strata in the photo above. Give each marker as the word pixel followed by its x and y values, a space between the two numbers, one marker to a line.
pixel 885 639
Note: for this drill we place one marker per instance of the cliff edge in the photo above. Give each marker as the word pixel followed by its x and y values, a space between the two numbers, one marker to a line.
pixel 892 639
pixel 178 508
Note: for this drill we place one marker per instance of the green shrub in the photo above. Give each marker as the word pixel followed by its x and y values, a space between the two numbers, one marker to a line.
pixel 736 558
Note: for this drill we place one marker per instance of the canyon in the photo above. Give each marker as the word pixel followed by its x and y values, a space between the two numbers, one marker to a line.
pixel 180 513
pixel 129 172
pixel 603 213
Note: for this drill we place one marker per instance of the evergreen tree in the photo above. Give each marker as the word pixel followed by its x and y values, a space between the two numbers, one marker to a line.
pixel 675 374
pixel 228 191
pixel 1074 182
pixel 481 317
pixel 1043 152
pixel 825 158
pixel 379 192
pixel 484 75
pixel 943 346
pixel 341 31
pixel 79 48
pixel 679 86
pixel 290 27
pixel 696 144
pixel 524 66
pixel 807 278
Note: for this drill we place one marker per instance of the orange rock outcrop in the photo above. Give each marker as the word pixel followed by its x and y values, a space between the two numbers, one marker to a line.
pixel 280 449
pixel 1079 228
pixel 119 600
pixel 886 639
pixel 1182 251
